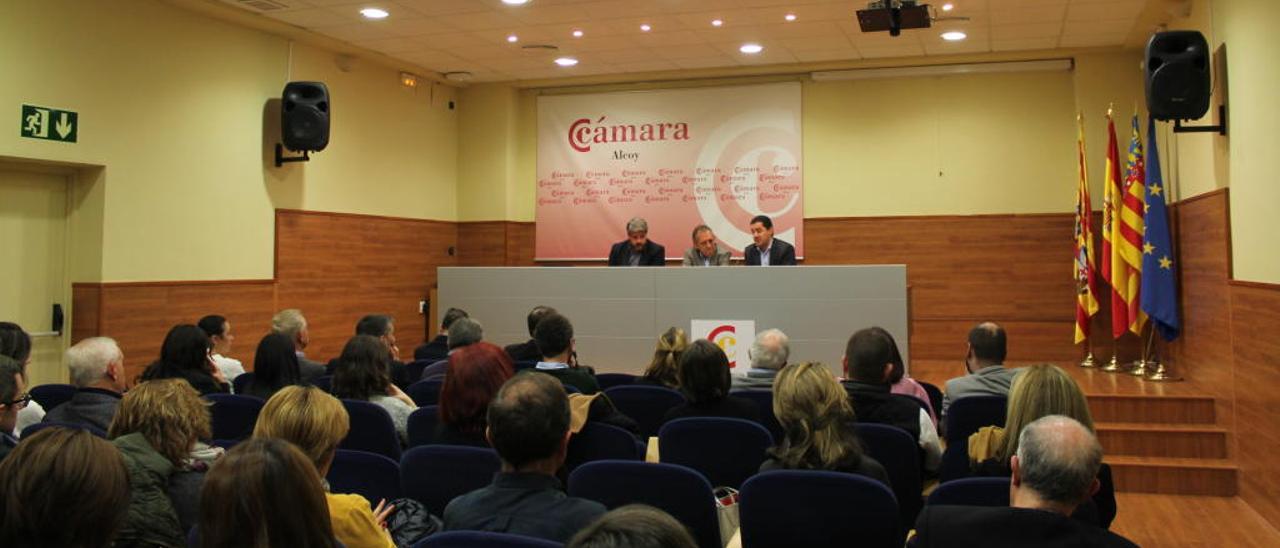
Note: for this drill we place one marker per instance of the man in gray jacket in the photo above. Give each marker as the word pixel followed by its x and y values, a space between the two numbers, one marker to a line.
pixel 984 362
pixel 705 250
pixel 768 355
pixel 97 369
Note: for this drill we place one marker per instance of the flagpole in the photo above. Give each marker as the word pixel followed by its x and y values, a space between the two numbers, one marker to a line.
pixel 1113 365
pixel 1140 366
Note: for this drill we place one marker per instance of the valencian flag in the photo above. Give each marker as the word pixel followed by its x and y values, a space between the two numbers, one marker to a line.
pixel 1159 283
pixel 1131 228
pixel 1086 288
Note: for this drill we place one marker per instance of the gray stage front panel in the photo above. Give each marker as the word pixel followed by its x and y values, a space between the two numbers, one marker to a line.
pixel 619 312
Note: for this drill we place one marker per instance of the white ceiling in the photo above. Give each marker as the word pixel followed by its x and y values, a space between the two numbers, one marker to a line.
pixel 471 35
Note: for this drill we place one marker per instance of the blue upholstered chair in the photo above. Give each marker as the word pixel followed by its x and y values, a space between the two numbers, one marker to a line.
pixel 677 490
pixel 964 417
pixel 811 508
pixel 935 397
pixel 610 380
pixel 645 404
pixel 425 392
pixel 371 430
pixel 483 539
pixel 727 451
pixel 234 415
pixel 422 425
pixel 241 382
pixel 972 492
pixel 598 441
pixel 373 476
pixel 435 474
pixel 52 395
pixel 898 452
pixel 764 400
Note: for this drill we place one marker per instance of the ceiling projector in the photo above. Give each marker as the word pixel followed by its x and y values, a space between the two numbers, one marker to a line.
pixel 893 16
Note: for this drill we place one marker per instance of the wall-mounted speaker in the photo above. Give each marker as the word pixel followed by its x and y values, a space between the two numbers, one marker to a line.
pixel 1177 75
pixel 304 116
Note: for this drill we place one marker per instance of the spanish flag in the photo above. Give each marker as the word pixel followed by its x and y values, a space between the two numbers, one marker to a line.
pixel 1086 288
pixel 1112 264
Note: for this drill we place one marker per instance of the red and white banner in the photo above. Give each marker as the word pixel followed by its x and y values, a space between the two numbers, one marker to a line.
pixel 734 337
pixel 677 158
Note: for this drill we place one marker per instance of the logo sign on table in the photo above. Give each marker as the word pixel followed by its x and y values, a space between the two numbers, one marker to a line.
pixel 732 336
pixel 678 158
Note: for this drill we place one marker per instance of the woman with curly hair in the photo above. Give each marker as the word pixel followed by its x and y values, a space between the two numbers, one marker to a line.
pixel 157 428
pixel 663 370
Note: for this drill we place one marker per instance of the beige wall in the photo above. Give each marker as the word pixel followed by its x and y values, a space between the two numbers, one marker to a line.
pixel 993 143
pixel 173 108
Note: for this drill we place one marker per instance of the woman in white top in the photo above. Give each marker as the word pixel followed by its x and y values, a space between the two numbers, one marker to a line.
pixel 219 331
pixel 362 373
pixel 16 343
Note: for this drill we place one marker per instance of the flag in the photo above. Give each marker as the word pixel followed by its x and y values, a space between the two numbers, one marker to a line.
pixel 1131 217
pixel 1159 281
pixel 1086 288
pixel 1112 265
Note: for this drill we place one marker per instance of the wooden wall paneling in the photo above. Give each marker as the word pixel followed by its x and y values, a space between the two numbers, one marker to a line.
pixel 520 244
pixel 86 311
pixel 482 243
pixel 338 267
pixel 1255 329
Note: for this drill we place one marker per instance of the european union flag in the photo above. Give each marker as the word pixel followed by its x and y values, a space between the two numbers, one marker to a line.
pixel 1159 292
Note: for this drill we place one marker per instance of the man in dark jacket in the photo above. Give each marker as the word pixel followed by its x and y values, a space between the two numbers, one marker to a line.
pixel 637 249
pixel 97 370
pixel 438 348
pixel 867 363
pixel 528 351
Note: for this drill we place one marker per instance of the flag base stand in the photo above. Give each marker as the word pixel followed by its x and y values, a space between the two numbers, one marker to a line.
pixel 1139 368
pixel 1112 366
pixel 1088 361
pixel 1160 374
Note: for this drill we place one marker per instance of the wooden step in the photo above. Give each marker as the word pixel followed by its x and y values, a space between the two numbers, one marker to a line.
pixel 1163 440
pixel 1150 409
pixel 1173 476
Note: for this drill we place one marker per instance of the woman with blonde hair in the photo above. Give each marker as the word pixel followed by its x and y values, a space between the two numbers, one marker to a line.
pixel 316 423
pixel 818 423
pixel 1039 391
pixel 663 369
pixel 157 428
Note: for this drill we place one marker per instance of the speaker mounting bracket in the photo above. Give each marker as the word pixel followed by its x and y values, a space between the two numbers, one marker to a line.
pixel 1220 129
pixel 281 158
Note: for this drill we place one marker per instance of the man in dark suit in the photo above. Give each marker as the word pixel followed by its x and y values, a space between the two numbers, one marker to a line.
pixel 438 348
pixel 637 249
pixel 765 249
pixel 867 362
pixel 1054 470
pixel 291 323
pixel 528 351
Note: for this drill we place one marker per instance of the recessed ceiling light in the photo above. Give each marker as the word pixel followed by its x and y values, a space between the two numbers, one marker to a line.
pixel 645 27
pixel 374 13
pixel 948 6
pixel 953 36
pixel 515 2
pixel 577 33
pixel 513 38
pixel 790 17
pixel 566 61
pixel 717 22
pixel 751 48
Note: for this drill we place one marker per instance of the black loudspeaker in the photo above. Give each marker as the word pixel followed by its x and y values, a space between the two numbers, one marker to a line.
pixel 1177 75
pixel 304 116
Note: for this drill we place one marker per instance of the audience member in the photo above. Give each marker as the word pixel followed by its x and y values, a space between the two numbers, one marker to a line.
pixel 554 336
pixel 766 250
pixel 983 363
pixel 634 526
pixel 316 423
pixel 362 375
pixel 157 428
pixel 476 373
pixel 705 250
pixel 704 380
pixel 185 355
pixel 1039 391
pixel 1054 469
pixel 637 249
pixel 219 331
pixel 438 348
pixel 900 382
pixel 768 355
pixel 13 397
pixel 463 332
pixel 275 366
pixel 383 327
pixel 868 363
pixel 529 428
pixel 663 368
pixel 291 323
pixel 62 488
pixel 264 493
pixel 528 351
pixel 97 370
pixel 818 425
pixel 16 343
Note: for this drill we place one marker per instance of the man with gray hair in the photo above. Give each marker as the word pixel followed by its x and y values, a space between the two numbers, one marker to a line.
pixel 705 250
pixel 463 332
pixel 637 249
pixel 291 323
pixel 1054 470
pixel 97 370
pixel 768 355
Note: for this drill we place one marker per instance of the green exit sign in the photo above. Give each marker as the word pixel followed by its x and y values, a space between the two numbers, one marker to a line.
pixel 49 123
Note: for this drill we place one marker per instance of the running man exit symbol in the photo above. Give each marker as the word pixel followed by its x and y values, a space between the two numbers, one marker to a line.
pixel 49 123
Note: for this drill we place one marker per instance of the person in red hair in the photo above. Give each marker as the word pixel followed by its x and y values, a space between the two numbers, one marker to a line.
pixel 475 374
